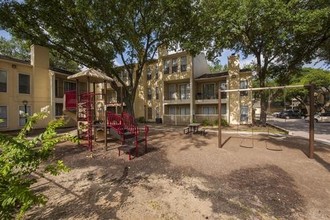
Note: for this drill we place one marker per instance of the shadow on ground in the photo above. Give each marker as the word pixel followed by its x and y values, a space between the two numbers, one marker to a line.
pixel 253 192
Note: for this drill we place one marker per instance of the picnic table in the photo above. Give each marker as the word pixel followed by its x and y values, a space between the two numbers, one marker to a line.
pixel 194 127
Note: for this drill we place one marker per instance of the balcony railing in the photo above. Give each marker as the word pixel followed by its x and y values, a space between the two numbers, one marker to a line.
pixel 207 99
pixel 210 117
pixel 176 119
pixel 176 101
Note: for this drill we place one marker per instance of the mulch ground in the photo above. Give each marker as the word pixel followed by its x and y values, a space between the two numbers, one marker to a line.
pixel 189 177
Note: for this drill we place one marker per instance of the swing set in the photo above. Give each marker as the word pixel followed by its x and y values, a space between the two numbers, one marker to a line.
pixel 310 88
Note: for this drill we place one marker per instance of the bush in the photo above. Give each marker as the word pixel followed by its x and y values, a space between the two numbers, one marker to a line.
pixel 223 122
pixel 19 158
pixel 141 119
pixel 207 122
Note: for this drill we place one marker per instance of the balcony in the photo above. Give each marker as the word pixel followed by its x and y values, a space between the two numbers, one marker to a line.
pixel 209 99
pixel 176 101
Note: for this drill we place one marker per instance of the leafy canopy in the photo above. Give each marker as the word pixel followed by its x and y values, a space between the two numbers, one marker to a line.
pixel 285 33
pixel 20 49
pixel 95 33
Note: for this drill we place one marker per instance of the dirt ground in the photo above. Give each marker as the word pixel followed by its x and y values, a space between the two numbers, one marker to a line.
pixel 189 177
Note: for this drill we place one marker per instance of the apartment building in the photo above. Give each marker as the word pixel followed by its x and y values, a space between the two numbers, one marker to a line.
pixel 179 89
pixel 28 86
pixel 175 89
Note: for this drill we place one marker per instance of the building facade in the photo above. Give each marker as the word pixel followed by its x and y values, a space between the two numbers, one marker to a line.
pixel 179 89
pixel 28 86
pixel 175 89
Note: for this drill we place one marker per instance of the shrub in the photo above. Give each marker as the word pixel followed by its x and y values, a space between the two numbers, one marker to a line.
pixel 141 119
pixel 19 158
pixel 206 122
pixel 223 122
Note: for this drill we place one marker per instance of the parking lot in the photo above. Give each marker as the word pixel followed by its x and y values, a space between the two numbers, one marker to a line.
pixel 300 127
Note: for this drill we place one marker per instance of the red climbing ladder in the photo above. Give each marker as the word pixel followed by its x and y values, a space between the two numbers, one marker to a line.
pixel 85 117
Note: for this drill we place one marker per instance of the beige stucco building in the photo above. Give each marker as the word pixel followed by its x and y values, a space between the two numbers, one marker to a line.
pixel 176 89
pixel 179 89
pixel 28 86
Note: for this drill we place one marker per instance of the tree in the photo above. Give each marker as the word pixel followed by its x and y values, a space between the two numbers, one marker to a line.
pixel 20 49
pixel 14 48
pixel 321 80
pixel 217 67
pixel 324 53
pixel 20 158
pixel 275 32
pixel 95 33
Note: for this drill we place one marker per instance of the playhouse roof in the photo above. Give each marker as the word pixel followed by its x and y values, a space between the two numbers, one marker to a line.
pixel 91 75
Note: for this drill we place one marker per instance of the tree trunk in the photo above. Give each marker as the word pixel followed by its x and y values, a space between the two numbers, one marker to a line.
pixel 129 101
pixel 263 96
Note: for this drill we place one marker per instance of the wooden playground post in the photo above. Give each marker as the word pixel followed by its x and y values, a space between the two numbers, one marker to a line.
pixel 311 88
pixel 219 120
pixel 105 116
pixel 77 106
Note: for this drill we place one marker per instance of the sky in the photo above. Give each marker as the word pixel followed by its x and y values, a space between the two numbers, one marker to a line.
pixel 223 58
pixel 4 34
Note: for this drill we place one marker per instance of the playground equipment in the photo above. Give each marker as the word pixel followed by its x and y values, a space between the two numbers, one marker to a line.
pixel 311 111
pixel 84 104
pixel 124 128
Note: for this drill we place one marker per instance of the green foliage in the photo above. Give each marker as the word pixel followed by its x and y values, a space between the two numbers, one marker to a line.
pixel 206 122
pixel 141 119
pixel 15 48
pixel 321 80
pixel 223 122
pixel 20 157
pixel 97 33
pixel 218 67
pixel 20 49
pixel 276 33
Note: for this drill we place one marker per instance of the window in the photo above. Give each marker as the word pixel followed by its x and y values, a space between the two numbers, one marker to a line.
pixel 22 115
pixel 69 86
pixel 156 72
pixel 183 64
pixel 223 109
pixel 243 84
pixel 174 65
pixel 185 110
pixel 209 110
pixel 58 109
pixel 208 91
pixel 171 110
pixel 148 73
pixel 172 91
pixel 157 93
pixel 166 66
pixel 149 94
pixel 244 113
pixel 24 83
pixel 57 90
pixel 3 81
pixel 3 116
pixel 184 91
pixel 149 113
pixel 223 86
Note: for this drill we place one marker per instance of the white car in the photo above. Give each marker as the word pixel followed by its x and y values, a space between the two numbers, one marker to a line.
pixel 323 117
